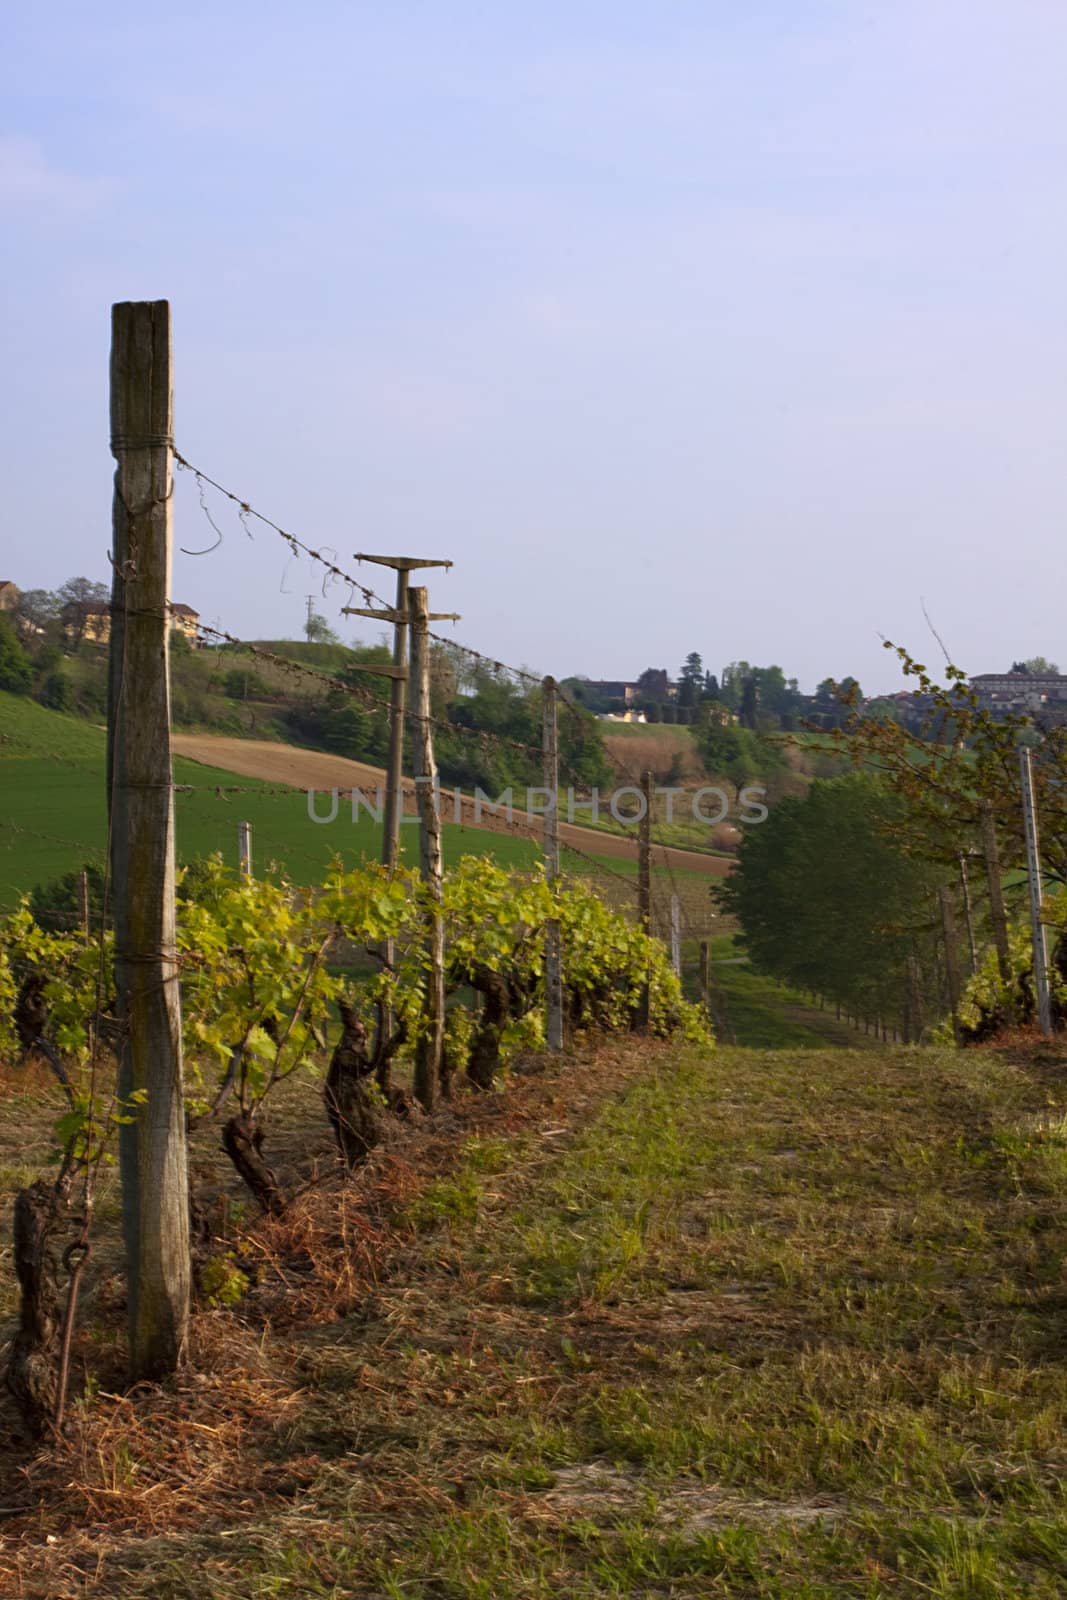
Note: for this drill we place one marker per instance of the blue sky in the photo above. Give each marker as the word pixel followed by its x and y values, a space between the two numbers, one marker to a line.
pixel 728 327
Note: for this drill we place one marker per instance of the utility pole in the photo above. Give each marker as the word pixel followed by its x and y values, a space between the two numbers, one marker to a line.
pixel 644 887
pixel 1033 870
pixel 429 1048
pixel 152 1152
pixel 550 778
pixel 311 613
pixel 403 566
pixel 398 673
pixel 244 849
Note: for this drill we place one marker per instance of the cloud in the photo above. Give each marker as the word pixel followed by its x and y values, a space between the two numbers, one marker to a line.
pixel 31 185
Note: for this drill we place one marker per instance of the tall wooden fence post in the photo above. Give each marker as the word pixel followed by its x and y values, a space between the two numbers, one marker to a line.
pixel 1038 937
pixel 244 849
pixel 429 1048
pixel 83 904
pixel 550 779
pixel 398 673
pixel 676 934
pixel 152 1153
pixel 644 887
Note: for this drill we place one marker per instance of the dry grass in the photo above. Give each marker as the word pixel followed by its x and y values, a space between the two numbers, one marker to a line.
pixel 754 1324
pixel 660 750
pixel 205 1448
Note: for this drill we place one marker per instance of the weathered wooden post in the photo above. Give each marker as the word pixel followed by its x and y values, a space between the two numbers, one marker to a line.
pixel 397 673
pixel 1038 937
pixel 83 904
pixel 244 849
pixel 705 977
pixel 676 934
pixel 644 887
pixel 152 1154
pixel 550 779
pixel 430 1044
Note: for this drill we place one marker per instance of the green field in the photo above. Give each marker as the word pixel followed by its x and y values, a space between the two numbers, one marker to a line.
pixel 53 812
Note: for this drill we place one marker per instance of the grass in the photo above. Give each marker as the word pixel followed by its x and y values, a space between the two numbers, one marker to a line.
pixel 754 1010
pixel 52 768
pixel 665 1322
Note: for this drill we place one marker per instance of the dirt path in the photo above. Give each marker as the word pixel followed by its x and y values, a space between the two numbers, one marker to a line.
pixel 316 769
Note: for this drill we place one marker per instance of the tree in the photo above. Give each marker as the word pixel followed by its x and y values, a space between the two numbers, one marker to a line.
pixel 834 701
pixel 16 672
pixel 654 685
pixel 56 692
pixel 711 686
pixel 830 900
pixel 318 631
pixel 83 592
pixel 748 714
pixel 36 610
pixel 731 682
pixel 1041 667
pixel 691 680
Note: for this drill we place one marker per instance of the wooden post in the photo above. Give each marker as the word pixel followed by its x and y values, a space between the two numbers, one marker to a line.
pixel 398 673
pixel 705 977
pixel 952 955
pixel 83 904
pixel 394 771
pixel 915 1001
pixel 403 566
pixel 991 852
pixel 244 849
pixel 429 1048
pixel 968 912
pixel 676 934
pixel 1038 936
pixel 152 1154
pixel 644 888
pixel 550 779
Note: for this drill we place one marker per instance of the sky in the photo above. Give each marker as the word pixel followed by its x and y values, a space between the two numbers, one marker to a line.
pixel 736 328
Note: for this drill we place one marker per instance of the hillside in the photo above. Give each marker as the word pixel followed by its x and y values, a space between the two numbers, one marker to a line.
pixel 53 819
pixel 54 812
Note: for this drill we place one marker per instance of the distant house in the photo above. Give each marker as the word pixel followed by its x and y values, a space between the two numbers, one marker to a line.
pixel 91 620
pixel 605 689
pixel 1004 693
pixel 185 620
pixel 86 619
pixel 9 595
pixel 622 716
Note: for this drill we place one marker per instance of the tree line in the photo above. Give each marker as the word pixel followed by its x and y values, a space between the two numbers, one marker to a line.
pixel 897 890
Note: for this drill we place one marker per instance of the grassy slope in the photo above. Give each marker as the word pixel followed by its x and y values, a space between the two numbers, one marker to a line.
pixel 53 813
pixel 751 1009
pixel 756 1325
